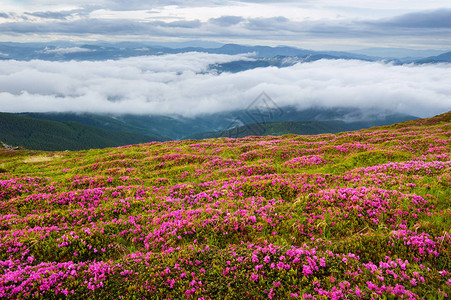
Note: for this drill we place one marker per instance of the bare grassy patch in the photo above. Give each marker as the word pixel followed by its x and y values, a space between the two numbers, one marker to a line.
pixel 38 158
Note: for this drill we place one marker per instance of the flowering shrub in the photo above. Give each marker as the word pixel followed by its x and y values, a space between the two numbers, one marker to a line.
pixel 362 214
pixel 305 161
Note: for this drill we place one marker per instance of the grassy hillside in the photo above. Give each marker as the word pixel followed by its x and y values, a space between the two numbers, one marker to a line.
pixel 362 214
pixel 52 135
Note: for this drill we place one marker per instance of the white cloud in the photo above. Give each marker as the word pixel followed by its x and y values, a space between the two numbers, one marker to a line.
pixel 67 50
pixel 181 84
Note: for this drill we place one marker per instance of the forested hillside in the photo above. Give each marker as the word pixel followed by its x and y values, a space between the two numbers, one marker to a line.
pixel 52 135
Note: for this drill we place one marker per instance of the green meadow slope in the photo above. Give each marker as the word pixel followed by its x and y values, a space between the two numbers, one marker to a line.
pixel 362 214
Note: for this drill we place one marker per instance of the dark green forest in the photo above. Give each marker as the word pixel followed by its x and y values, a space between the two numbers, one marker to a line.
pixel 281 128
pixel 52 135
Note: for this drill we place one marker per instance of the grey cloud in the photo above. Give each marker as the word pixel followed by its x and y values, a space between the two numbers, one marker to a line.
pixel 275 1
pixel 420 24
pixel 61 15
pixel 431 28
pixel 4 15
pixel 181 24
pixel 272 24
pixel 181 84
pixel 140 4
pixel 88 26
pixel 99 26
pixel 424 19
pixel 50 15
pixel 227 20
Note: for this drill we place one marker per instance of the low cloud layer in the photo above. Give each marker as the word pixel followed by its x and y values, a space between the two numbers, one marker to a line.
pixel 65 50
pixel 182 84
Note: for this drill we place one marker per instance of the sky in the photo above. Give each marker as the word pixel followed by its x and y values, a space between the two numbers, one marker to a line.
pixel 311 24
pixel 183 84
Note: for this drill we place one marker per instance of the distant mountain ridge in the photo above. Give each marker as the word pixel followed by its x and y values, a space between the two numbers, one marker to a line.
pixel 276 61
pixel 290 127
pixel 103 51
pixel 442 58
pixel 397 53
pixel 279 128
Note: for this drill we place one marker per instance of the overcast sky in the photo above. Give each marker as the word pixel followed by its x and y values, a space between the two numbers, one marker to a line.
pixel 313 24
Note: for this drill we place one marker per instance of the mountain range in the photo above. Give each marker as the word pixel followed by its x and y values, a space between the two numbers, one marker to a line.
pixel 103 51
